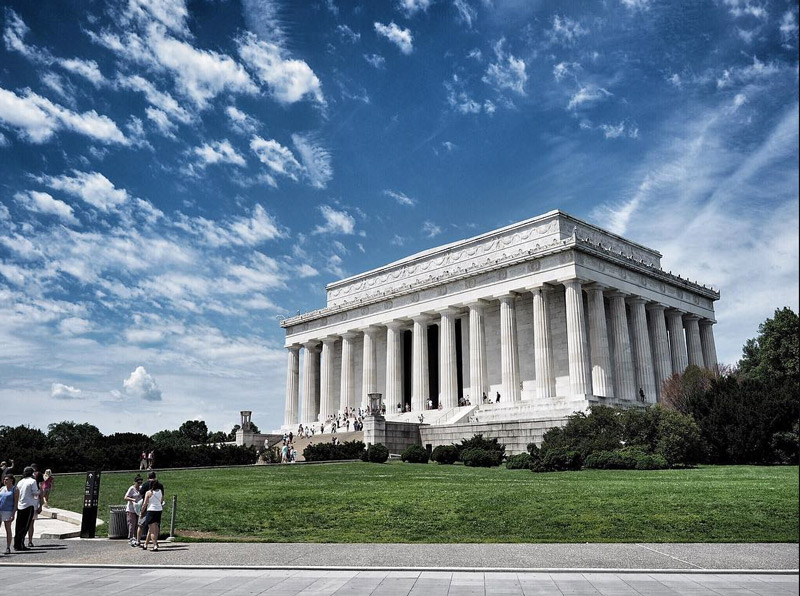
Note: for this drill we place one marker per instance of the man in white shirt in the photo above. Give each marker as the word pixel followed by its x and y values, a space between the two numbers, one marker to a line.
pixel 28 501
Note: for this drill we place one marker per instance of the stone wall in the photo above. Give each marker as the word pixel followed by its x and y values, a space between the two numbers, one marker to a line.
pixel 514 435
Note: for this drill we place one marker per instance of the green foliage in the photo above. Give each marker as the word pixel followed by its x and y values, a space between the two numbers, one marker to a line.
pixel 415 454
pixel 677 437
pixel 478 442
pixel 557 459
pixel 377 454
pixel 331 452
pixel 482 458
pixel 195 431
pixel 629 458
pixel 445 454
pixel 785 445
pixel 170 438
pixel 774 356
pixel 600 430
pixel 520 461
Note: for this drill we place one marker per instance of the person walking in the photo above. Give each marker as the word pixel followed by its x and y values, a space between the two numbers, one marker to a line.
pixel 143 461
pixel 37 476
pixel 26 507
pixel 8 505
pixel 153 505
pixel 131 498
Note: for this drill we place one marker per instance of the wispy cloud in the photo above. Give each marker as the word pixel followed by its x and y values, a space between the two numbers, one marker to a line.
pixel 508 72
pixel 400 198
pixel 336 222
pixel 402 38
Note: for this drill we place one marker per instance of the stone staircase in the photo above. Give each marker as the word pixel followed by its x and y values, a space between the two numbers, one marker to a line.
pixel 443 416
pixel 343 437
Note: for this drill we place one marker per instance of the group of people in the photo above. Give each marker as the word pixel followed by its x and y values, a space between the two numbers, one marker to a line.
pixel 22 502
pixel 144 504
pixel 288 452
pixel 147 460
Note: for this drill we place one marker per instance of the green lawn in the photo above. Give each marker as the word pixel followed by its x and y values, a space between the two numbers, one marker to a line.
pixel 396 502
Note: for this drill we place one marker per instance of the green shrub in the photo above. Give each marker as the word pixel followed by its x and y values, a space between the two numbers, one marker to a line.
pixel 481 458
pixel 415 454
pixel 678 439
pixel 377 453
pixel 557 459
pixel 650 461
pixel 445 454
pixel 331 452
pixel 478 442
pixel 520 461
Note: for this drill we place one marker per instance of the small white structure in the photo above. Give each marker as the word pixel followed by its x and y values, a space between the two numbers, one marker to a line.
pixel 551 315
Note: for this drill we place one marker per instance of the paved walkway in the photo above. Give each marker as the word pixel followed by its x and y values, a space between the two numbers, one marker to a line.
pixel 292 582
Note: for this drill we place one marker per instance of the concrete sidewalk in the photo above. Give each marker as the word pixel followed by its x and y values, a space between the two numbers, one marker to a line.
pixel 56 524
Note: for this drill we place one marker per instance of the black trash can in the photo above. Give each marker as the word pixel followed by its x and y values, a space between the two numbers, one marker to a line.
pixel 118 522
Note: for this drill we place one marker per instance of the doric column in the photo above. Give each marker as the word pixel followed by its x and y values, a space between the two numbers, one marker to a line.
pixel 477 353
pixel 598 341
pixel 624 375
pixel 509 350
pixel 695 348
pixel 677 341
pixel 292 385
pixel 347 390
pixel 310 400
pixel 707 344
pixel 644 354
pixel 369 377
pixel 394 362
pixel 420 391
pixel 579 378
pixel 327 405
pixel 662 360
pixel 448 376
pixel 545 379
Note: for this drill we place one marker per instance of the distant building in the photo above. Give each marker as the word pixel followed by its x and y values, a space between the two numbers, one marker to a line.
pixel 552 313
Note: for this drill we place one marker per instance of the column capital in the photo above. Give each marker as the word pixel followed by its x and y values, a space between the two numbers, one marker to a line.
pixel 421 318
pixel 675 312
pixel 618 294
pixel 595 287
pixel 371 330
pixel 691 317
pixel 637 300
pixel 656 306
pixel 330 340
pixel 571 281
pixel 449 310
pixel 294 347
pixel 505 297
pixel 395 325
pixel 707 322
pixel 311 344
pixel 480 303
pixel 348 334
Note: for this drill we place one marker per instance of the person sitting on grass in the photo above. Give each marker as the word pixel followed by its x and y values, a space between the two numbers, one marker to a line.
pixel 153 506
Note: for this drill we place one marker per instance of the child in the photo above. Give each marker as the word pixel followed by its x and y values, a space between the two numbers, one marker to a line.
pixel 47 486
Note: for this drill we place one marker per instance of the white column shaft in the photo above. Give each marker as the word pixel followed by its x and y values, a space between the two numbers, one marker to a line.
pixel 292 386
pixel 477 354
pixel 509 350
pixel 310 401
pixel 644 354
pixel 347 393
pixel 708 345
pixel 579 377
pixel 662 360
pixel 448 378
pixel 624 375
pixel 327 391
pixel 369 377
pixel 695 348
pixel 545 380
pixel 598 337
pixel 394 374
pixel 420 391
pixel 677 341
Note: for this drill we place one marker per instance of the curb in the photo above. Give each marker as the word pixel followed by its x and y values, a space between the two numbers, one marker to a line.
pixel 626 570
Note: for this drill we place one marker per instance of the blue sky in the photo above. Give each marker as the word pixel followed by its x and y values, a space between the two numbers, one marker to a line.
pixel 175 175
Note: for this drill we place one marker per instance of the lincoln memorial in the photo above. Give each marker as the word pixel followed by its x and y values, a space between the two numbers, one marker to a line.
pixel 544 318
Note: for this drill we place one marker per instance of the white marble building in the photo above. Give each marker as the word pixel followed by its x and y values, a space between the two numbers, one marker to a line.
pixel 552 313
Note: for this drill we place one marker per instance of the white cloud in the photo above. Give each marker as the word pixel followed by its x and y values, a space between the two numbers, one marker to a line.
pixel 788 27
pixel 88 69
pixel 613 131
pixel 199 74
pixel 142 385
pixel 92 187
pixel 316 160
pixel 276 157
pixel 242 122
pixel 289 80
pixel 172 14
pixel 587 95
pixel 430 229
pixel 745 8
pixel 675 80
pixel 400 198
pixel 37 119
pixel 466 14
pixel 251 230
pixel 74 326
pixel 348 34
pixel 411 7
pixel 162 122
pixel 375 60
pixel 42 202
pixel 402 38
pixel 61 391
pixel 508 72
pixel 636 4
pixel 565 69
pixel 158 99
pixel 218 152
pixel 565 31
pixel 745 74
pixel 336 222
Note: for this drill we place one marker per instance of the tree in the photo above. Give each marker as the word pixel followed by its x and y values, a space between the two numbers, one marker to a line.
pixel 194 430
pixel 68 433
pixel 774 356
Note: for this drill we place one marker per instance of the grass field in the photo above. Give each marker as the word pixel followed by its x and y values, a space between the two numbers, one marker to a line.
pixel 396 502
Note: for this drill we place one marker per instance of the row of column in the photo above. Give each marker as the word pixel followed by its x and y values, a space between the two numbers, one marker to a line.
pixel 660 341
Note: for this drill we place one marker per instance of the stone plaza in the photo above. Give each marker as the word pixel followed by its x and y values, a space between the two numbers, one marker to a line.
pixel 518 327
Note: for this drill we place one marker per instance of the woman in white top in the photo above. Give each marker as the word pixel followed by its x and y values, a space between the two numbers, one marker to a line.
pixel 153 505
